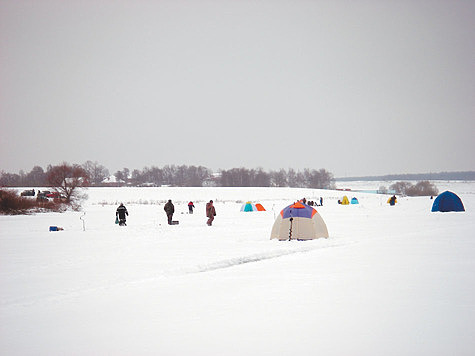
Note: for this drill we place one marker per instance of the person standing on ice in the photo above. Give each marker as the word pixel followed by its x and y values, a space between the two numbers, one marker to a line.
pixel 121 213
pixel 210 212
pixel 169 209
pixel 190 207
pixel 392 200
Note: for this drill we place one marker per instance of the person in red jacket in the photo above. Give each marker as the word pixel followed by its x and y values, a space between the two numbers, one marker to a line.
pixel 210 212
pixel 190 207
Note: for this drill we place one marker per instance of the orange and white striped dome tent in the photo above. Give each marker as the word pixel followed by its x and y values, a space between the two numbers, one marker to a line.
pixel 299 222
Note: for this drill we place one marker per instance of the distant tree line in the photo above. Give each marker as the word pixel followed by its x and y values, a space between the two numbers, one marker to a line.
pixel 95 174
pixel 38 177
pixel 308 178
pixel 179 176
pixel 465 175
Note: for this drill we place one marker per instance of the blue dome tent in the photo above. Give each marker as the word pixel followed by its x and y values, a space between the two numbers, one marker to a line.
pixel 447 201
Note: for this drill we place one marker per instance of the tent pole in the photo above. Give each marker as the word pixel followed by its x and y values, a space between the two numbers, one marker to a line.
pixel 82 217
pixel 290 230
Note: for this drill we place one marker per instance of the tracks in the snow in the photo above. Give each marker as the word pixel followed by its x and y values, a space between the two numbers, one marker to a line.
pixel 51 297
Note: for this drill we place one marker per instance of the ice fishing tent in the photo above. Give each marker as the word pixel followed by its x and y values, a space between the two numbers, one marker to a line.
pixel 298 222
pixel 252 207
pixel 345 201
pixel 447 201
pixel 354 200
pixel 259 207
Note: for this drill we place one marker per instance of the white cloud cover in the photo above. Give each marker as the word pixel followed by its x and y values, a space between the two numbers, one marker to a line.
pixel 366 87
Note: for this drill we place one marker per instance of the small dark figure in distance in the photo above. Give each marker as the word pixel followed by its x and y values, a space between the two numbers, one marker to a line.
pixel 392 201
pixel 210 212
pixel 121 213
pixel 321 201
pixel 169 209
pixel 190 207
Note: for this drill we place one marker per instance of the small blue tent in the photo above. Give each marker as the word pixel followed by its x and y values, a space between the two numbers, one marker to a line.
pixel 447 201
pixel 354 200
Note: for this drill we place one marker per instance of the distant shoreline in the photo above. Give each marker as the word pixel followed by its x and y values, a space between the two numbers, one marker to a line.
pixel 464 176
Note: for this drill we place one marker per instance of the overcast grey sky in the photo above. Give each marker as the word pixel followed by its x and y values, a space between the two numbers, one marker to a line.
pixel 355 87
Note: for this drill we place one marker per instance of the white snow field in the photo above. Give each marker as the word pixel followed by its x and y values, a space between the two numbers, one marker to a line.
pixel 389 281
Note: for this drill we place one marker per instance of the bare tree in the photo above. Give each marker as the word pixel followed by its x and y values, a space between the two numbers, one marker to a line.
pixel 279 178
pixel 122 175
pixel 168 172
pixel 261 178
pixel 66 179
pixel 96 171
pixel 125 173
pixel 136 178
pixel 320 179
pixel 400 187
pixel 10 180
pixel 292 178
pixel 36 178
pixel 236 177
pixel 154 175
pixel 422 188
pixel 195 176
pixel 119 176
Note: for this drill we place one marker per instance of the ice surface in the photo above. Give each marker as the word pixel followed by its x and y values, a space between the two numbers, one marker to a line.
pixel 389 280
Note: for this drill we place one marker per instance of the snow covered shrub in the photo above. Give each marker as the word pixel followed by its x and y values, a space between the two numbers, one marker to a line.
pixel 400 187
pixel 422 188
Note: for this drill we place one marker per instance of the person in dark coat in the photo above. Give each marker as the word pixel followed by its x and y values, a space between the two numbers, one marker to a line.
pixel 190 207
pixel 210 212
pixel 169 209
pixel 121 213
pixel 392 201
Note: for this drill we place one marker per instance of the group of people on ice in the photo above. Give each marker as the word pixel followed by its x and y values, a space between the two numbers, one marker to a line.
pixel 122 213
pixel 313 203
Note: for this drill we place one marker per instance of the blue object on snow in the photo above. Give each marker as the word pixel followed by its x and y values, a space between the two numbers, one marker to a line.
pixel 447 201
pixel 53 228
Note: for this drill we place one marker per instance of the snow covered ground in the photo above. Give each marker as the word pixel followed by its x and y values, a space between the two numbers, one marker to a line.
pixel 389 280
